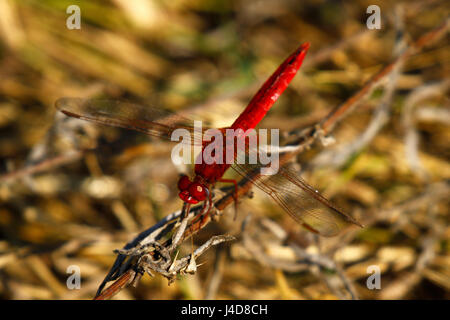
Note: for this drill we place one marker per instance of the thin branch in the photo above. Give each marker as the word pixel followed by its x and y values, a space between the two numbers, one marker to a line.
pixel 411 134
pixel 382 113
pixel 354 101
pixel 48 164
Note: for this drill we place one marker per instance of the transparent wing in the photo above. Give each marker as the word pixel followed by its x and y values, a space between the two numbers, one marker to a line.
pixel 151 121
pixel 299 199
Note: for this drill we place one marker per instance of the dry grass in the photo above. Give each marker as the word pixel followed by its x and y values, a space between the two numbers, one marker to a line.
pixel 72 192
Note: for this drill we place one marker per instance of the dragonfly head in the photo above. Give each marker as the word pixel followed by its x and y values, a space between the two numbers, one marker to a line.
pixel 191 191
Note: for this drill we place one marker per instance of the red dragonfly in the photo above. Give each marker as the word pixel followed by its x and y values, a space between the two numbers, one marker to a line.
pixel 292 193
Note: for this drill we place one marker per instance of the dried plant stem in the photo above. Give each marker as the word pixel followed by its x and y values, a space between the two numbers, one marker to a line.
pixel 338 113
pixel 48 164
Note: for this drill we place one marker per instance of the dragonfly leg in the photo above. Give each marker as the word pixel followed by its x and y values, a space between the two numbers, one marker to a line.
pixel 185 210
pixel 207 204
pixel 235 197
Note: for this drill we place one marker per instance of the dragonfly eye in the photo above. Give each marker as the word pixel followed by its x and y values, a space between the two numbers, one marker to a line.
pixel 197 191
pixel 184 183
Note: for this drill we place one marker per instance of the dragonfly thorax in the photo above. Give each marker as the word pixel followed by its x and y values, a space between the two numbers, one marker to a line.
pixel 192 191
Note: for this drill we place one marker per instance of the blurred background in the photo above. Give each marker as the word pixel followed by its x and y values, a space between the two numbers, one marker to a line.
pixel 72 191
